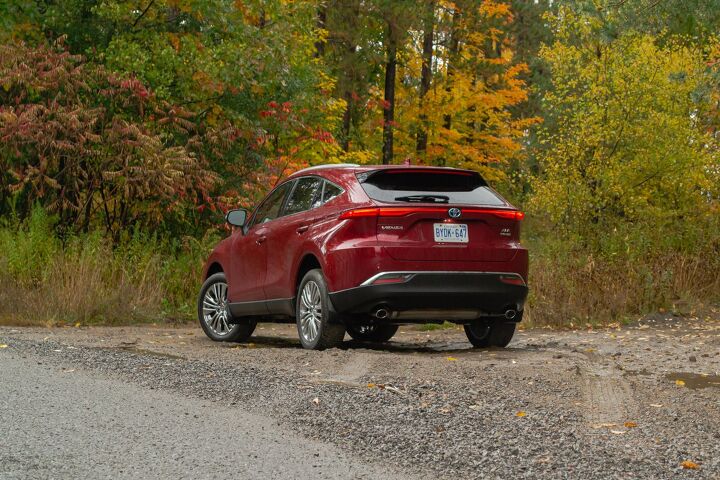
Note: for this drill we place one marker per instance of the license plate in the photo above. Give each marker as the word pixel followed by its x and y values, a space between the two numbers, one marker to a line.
pixel 451 232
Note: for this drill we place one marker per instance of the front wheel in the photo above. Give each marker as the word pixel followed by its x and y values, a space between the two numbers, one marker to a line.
pixel 372 333
pixel 318 325
pixel 214 314
pixel 487 334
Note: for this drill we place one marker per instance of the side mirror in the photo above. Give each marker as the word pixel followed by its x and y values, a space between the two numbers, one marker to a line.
pixel 236 218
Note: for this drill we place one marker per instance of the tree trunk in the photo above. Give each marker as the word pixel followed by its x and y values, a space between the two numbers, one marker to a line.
pixel 346 121
pixel 453 50
pixel 321 23
pixel 426 77
pixel 390 72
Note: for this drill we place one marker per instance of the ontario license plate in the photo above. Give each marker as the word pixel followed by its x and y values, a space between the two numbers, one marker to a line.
pixel 451 232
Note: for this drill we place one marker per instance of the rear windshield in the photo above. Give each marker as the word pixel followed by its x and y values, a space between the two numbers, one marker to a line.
pixel 402 186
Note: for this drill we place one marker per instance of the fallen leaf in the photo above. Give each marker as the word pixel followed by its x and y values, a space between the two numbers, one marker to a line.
pixel 3 346
pixel 371 385
pixel 656 405
pixel 630 424
pixel 520 414
pixel 77 324
pixel 618 432
pixel 690 465
pixel 679 383
pixel 452 359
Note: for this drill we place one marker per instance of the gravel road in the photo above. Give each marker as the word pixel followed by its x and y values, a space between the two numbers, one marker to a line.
pixel 641 401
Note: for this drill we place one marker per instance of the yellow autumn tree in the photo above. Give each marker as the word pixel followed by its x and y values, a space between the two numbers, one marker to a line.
pixel 466 111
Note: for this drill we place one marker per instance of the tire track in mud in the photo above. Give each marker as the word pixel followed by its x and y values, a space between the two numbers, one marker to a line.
pixel 350 372
pixel 607 397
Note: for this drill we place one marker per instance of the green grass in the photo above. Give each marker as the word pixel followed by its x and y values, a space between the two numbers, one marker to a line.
pixel 90 280
pixel 429 327
pixel 144 277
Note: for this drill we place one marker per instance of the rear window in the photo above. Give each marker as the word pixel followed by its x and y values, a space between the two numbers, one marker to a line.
pixel 403 186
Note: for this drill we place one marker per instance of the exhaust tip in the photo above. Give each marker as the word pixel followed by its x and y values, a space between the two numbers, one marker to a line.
pixel 381 313
pixel 510 314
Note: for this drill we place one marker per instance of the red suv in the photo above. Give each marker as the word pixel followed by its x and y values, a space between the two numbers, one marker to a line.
pixel 363 249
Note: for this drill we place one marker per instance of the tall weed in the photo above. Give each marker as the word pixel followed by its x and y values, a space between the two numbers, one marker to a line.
pixel 87 279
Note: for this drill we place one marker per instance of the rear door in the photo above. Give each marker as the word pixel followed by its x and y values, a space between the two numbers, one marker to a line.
pixel 288 234
pixel 441 215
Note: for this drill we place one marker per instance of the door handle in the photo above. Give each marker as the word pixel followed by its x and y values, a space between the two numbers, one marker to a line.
pixel 303 229
pixel 260 239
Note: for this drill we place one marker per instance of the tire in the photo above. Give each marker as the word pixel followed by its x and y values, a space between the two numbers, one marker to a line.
pixel 372 333
pixel 486 334
pixel 319 326
pixel 214 315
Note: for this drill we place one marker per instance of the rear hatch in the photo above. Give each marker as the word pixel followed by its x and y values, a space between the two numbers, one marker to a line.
pixel 441 215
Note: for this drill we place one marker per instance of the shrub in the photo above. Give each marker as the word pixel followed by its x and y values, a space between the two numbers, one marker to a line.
pixel 84 278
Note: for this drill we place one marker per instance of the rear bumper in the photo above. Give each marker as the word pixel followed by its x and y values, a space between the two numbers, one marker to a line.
pixel 467 294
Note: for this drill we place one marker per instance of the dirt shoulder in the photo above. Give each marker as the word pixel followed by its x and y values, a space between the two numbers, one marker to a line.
pixel 633 401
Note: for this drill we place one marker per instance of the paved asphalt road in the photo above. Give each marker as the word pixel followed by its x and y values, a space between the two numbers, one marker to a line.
pixel 65 423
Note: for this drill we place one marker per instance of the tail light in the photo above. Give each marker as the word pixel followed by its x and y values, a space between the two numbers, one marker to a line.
pixel 403 211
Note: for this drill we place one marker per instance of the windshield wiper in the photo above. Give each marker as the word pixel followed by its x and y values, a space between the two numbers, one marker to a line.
pixel 424 198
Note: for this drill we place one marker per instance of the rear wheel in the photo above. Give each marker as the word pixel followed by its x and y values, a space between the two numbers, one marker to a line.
pixel 214 315
pixel 372 333
pixel 490 334
pixel 318 325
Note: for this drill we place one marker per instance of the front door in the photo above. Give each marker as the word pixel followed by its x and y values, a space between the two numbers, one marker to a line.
pixel 249 251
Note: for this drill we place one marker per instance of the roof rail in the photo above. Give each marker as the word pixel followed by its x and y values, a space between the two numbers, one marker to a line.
pixel 329 165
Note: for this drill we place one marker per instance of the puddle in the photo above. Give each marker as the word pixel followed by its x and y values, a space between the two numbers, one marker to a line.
pixel 695 381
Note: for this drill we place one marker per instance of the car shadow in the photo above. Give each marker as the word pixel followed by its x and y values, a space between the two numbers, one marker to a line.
pixel 444 348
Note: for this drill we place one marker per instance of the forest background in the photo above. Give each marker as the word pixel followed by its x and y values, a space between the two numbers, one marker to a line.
pixel 127 128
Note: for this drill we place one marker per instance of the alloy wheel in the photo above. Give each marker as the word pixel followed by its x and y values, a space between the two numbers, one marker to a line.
pixel 310 311
pixel 215 309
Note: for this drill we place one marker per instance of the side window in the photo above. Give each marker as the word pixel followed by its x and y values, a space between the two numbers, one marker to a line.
pixel 305 196
pixel 270 208
pixel 330 191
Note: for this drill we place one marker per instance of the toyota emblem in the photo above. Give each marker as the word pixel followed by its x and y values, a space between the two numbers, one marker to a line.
pixel 454 212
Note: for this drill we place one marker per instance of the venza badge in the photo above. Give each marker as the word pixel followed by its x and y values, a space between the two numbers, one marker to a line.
pixel 454 212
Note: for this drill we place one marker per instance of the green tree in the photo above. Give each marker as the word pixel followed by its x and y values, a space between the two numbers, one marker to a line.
pixel 627 151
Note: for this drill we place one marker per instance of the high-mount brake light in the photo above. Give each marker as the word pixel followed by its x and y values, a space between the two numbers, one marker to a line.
pixel 428 170
pixel 403 211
